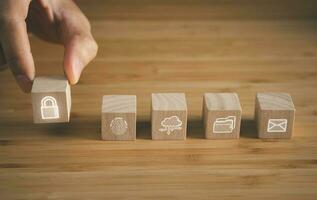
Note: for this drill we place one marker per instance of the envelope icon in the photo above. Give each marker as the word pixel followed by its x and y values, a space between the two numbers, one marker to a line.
pixel 277 125
pixel 224 125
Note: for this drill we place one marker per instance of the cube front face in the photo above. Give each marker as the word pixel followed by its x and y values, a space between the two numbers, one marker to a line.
pixel 169 125
pixel 222 124
pixel 118 126
pixel 275 123
pixel 50 107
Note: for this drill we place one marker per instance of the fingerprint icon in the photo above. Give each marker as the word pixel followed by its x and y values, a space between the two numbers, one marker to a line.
pixel 118 126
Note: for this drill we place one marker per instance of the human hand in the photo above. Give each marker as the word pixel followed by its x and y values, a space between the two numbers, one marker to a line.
pixel 59 21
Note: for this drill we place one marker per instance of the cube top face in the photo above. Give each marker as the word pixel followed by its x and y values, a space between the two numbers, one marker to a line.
pixel 275 101
pixel 169 101
pixel 50 84
pixel 222 101
pixel 222 115
pixel 118 121
pixel 51 100
pixel 275 115
pixel 119 104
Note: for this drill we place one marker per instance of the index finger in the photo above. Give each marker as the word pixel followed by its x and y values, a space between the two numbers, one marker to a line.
pixel 15 43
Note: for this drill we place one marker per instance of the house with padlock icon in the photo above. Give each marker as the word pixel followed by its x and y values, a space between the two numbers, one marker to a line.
pixel 49 108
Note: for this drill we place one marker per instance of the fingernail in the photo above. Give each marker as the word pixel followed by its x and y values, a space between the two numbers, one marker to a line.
pixel 77 69
pixel 24 82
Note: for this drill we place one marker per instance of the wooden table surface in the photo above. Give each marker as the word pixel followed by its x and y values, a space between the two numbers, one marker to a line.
pixel 191 46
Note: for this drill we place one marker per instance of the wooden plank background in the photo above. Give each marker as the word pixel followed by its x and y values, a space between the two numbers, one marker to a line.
pixel 191 46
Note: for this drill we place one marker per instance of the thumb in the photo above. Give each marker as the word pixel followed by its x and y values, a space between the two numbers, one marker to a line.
pixel 75 33
pixel 79 51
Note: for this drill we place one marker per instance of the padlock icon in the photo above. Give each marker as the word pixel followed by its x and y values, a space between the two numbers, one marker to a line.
pixel 49 108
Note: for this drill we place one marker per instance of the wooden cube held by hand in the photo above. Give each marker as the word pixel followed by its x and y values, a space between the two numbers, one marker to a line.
pixel 51 99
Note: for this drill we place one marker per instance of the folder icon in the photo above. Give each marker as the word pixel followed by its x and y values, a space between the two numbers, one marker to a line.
pixel 224 125
pixel 277 125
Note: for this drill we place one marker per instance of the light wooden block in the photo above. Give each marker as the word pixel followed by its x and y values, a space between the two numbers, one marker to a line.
pixel 222 115
pixel 275 115
pixel 118 121
pixel 51 99
pixel 169 116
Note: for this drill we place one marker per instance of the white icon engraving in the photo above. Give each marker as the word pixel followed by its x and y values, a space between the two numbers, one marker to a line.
pixel 277 125
pixel 49 108
pixel 169 124
pixel 224 125
pixel 118 126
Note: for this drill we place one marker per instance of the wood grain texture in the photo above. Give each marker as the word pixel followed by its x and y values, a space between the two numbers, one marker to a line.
pixel 222 115
pixel 222 101
pixel 169 101
pixel 51 99
pixel 118 117
pixel 119 103
pixel 275 101
pixel 275 115
pixel 169 116
pixel 190 46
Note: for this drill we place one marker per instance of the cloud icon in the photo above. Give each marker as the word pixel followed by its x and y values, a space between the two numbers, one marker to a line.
pixel 171 121
pixel 169 124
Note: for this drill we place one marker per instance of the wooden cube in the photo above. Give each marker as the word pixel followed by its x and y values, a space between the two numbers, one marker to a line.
pixel 51 99
pixel 169 116
pixel 118 117
pixel 275 115
pixel 222 115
